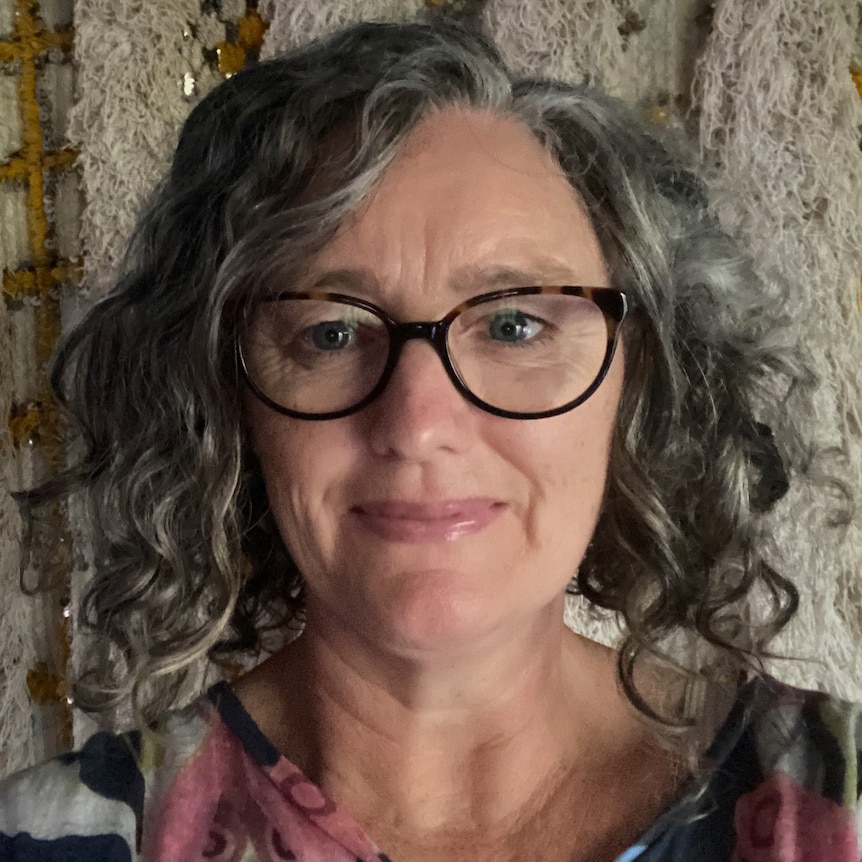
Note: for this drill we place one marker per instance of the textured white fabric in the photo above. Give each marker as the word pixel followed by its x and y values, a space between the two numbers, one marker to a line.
pixel 568 40
pixel 17 650
pixel 778 132
pixel 10 118
pixel 295 22
pixel 639 51
pixel 133 61
pixel 7 17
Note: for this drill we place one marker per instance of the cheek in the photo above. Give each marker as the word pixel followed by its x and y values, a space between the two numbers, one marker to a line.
pixel 297 498
pixel 573 480
pixel 567 464
pixel 299 483
pixel 571 451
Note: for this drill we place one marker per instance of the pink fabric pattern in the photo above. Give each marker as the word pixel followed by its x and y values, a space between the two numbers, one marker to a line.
pixel 781 821
pixel 210 786
pixel 222 801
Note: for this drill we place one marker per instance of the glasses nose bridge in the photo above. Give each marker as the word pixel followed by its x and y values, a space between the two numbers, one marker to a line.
pixel 433 331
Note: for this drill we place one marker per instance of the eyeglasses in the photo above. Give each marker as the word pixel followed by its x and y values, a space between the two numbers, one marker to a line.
pixel 521 353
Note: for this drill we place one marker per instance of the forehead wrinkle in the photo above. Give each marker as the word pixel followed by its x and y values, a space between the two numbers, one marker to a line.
pixel 533 273
pixel 466 281
pixel 358 280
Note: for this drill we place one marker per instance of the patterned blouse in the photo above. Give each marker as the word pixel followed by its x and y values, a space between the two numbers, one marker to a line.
pixel 784 786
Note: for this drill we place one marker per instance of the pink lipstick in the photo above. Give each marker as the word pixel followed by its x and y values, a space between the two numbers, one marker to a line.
pixel 424 523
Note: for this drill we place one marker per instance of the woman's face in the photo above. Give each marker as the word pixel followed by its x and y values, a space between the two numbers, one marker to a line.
pixel 422 522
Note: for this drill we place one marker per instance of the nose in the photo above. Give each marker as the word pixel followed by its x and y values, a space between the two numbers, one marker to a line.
pixel 420 412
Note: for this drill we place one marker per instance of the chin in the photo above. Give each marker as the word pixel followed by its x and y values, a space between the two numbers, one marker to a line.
pixel 434 613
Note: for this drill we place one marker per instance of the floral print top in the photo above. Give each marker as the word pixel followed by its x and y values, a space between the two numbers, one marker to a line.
pixel 784 785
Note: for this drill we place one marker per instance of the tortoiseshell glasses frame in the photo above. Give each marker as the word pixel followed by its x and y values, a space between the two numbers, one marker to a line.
pixel 611 302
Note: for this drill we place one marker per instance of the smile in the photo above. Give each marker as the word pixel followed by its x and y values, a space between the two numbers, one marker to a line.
pixel 426 523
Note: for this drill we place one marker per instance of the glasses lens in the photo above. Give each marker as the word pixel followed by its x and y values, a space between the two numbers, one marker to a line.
pixel 529 354
pixel 314 356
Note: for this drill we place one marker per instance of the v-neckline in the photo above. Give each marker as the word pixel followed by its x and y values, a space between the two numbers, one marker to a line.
pixel 341 825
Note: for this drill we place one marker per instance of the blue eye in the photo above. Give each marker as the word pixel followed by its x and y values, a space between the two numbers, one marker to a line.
pixel 332 334
pixel 513 327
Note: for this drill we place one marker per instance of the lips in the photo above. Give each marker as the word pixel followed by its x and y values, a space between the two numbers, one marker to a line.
pixel 427 522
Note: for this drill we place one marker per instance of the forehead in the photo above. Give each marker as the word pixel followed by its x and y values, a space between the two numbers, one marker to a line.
pixel 469 192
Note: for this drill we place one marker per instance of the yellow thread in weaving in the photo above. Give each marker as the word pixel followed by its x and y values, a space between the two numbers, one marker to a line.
pixel 45 687
pixel 231 58
pixel 235 56
pixel 39 280
pixel 251 30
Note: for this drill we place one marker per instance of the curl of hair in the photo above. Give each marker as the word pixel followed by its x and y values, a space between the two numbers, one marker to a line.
pixel 188 560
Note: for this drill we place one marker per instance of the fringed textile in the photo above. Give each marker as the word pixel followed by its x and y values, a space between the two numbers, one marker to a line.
pixel 36 193
pixel 294 22
pixel 17 647
pixel 779 120
pixel 573 41
pixel 140 67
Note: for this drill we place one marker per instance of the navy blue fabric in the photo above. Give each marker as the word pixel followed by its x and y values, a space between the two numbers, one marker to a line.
pixel 72 848
pixel 108 765
pixel 825 745
pixel 242 725
pixel 710 836
pixel 700 826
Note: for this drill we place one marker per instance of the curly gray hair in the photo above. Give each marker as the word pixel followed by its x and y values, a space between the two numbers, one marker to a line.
pixel 188 560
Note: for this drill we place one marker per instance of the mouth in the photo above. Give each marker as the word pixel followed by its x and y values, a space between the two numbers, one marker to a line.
pixel 429 522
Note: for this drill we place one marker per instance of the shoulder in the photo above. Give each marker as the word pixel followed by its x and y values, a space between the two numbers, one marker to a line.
pixel 807 795
pixel 811 736
pixel 781 783
pixel 91 803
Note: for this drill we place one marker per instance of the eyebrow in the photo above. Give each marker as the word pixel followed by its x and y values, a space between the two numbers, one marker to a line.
pixel 469 279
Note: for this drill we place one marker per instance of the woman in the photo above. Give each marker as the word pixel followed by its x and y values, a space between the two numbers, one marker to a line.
pixel 402 348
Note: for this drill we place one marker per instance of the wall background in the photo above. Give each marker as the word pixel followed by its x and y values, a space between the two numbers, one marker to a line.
pixel 92 93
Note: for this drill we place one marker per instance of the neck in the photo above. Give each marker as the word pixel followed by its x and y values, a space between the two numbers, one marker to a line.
pixel 473 737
